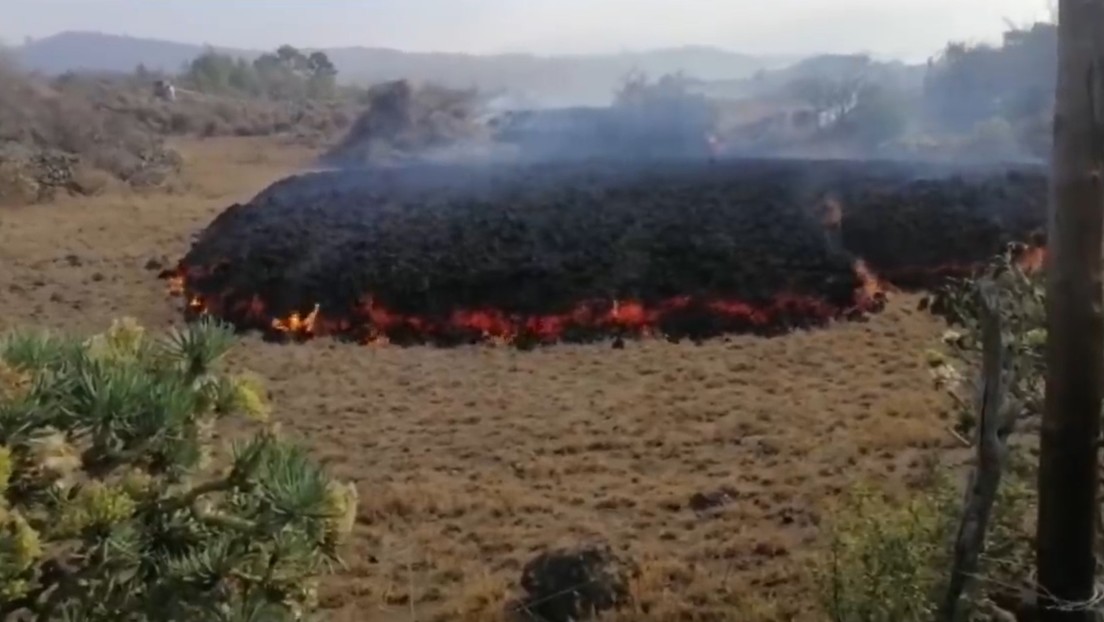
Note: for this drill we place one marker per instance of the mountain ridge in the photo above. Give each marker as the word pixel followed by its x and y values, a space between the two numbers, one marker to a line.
pixel 550 79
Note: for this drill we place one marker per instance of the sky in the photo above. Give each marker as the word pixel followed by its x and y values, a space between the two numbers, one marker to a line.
pixel 906 29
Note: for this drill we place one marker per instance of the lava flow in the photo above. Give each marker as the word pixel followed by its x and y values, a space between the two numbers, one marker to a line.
pixel 571 252
pixel 371 322
pixel 1029 258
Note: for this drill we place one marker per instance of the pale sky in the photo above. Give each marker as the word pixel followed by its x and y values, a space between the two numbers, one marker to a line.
pixel 910 29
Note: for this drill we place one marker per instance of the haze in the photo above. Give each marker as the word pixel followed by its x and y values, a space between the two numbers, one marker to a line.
pixel 906 29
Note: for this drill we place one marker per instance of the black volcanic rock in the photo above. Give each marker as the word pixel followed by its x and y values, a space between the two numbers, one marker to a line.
pixel 705 247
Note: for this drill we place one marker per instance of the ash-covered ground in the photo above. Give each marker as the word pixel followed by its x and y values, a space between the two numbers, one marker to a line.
pixel 578 250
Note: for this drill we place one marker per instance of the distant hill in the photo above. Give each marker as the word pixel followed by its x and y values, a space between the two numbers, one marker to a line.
pixel 547 80
pixel 89 51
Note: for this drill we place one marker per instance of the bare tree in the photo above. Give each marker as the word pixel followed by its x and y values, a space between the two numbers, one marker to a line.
pixel 1075 321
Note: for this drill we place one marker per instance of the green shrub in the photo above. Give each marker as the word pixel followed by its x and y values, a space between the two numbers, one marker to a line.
pixel 114 504
pixel 886 559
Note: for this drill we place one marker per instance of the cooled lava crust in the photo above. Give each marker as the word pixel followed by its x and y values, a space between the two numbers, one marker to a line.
pixel 576 252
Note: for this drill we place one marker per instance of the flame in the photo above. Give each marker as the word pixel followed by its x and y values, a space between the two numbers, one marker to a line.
pixel 371 323
pixel 872 287
pixel 1031 259
pixel 377 340
pixel 297 325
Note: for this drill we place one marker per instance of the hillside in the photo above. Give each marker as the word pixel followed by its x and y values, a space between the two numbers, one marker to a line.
pixel 826 67
pixel 545 79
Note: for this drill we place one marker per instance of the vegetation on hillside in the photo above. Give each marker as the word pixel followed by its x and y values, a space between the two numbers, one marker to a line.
pixel 79 132
pixel 115 503
pixel 971 85
pixel 51 140
pixel 970 102
pixel 285 74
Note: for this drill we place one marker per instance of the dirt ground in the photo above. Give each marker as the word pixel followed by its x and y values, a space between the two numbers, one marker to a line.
pixel 470 461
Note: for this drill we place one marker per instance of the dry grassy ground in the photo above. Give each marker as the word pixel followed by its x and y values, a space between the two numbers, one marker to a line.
pixel 471 460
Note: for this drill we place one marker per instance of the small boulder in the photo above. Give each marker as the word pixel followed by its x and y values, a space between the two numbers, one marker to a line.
pixel 569 585
pixel 702 502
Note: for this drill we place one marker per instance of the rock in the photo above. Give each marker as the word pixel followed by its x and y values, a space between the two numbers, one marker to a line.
pixel 569 585
pixel 703 502
pixel 154 263
pixel 770 549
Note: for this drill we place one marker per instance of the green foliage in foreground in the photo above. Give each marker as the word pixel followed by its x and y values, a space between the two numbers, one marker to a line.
pixel 887 559
pixel 114 504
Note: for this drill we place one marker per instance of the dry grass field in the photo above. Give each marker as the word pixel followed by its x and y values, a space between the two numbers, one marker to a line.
pixel 469 461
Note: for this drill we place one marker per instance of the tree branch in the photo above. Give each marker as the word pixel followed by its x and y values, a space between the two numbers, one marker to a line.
pixel 994 426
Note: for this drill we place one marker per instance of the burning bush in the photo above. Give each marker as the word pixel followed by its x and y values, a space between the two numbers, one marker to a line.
pixel 108 508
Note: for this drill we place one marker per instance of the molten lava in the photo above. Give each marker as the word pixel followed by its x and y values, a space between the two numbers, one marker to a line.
pixel 1029 258
pixel 371 322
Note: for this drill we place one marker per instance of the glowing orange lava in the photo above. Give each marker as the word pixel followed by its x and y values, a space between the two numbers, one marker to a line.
pixel 370 322
pixel 1031 259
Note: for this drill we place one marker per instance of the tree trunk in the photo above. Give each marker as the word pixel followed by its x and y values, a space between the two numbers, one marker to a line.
pixel 1075 350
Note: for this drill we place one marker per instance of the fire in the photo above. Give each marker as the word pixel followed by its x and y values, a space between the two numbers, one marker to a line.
pixel 1031 259
pixel 872 287
pixel 295 324
pixel 370 322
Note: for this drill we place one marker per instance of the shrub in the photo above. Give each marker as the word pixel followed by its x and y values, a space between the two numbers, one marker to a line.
pixel 87 118
pixel 114 505
pixel 885 559
pixel 888 559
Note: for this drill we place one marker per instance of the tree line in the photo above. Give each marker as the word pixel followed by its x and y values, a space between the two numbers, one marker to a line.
pixel 286 73
pixel 1003 94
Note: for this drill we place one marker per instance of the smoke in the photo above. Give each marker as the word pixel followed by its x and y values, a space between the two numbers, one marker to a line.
pixel 408 125
pixel 969 107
